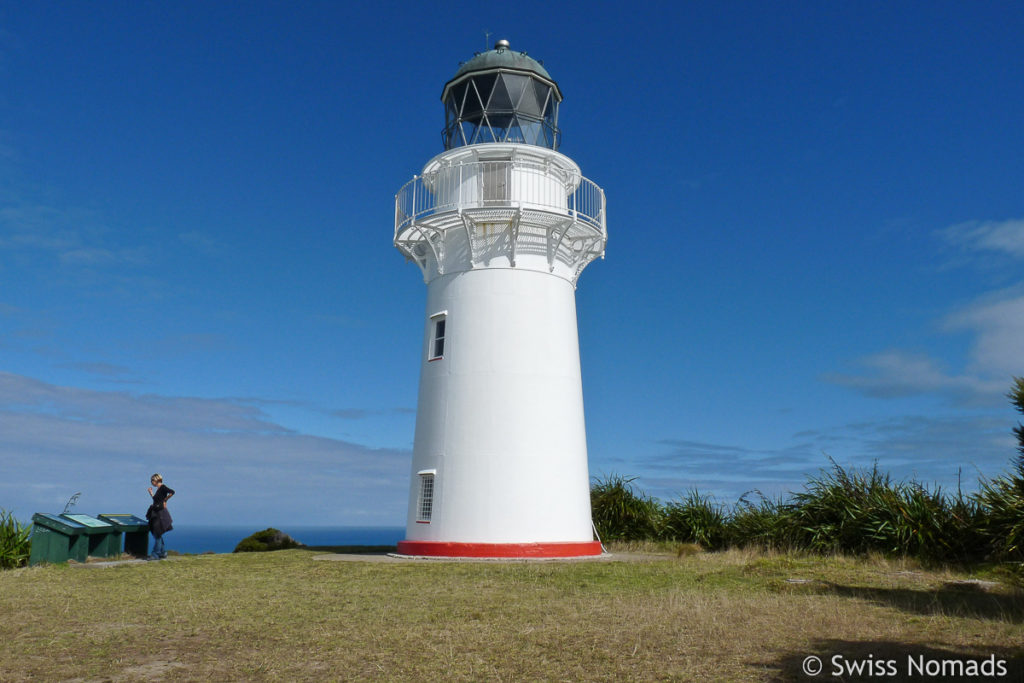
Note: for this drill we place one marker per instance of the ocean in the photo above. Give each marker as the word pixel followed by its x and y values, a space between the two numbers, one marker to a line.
pixel 185 538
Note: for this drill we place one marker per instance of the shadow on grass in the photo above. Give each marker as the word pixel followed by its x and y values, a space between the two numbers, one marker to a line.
pixel 886 660
pixel 950 600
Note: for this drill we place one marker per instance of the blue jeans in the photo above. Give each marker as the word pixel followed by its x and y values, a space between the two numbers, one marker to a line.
pixel 158 547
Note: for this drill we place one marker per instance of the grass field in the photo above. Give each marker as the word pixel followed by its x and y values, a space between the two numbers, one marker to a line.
pixel 731 616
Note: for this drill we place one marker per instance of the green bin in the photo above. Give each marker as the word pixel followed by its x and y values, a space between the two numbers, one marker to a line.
pixel 55 539
pixel 135 530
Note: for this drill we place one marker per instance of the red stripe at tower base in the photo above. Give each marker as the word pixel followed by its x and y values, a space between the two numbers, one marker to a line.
pixel 508 550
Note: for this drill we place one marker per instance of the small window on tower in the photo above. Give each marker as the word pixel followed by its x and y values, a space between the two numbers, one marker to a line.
pixel 426 503
pixel 437 339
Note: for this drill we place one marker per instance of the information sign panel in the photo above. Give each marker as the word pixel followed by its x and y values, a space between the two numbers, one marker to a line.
pixel 86 520
pixel 124 520
pixel 70 523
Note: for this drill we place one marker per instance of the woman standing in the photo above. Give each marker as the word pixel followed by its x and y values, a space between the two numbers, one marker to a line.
pixel 158 516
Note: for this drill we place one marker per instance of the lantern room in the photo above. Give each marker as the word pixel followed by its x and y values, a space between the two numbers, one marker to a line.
pixel 501 96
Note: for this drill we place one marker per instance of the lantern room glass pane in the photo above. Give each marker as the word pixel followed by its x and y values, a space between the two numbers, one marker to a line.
pixel 515 83
pixel 484 85
pixel 451 114
pixel 500 124
pixel 528 104
pixel 542 91
pixel 499 98
pixel 532 134
pixel 484 134
pixel 453 137
pixel 549 108
pixel 515 134
pixel 457 95
pixel 472 105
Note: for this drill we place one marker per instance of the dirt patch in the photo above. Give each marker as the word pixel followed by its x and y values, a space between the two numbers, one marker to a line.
pixel 154 670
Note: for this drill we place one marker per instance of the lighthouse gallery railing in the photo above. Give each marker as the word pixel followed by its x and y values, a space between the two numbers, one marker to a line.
pixel 496 184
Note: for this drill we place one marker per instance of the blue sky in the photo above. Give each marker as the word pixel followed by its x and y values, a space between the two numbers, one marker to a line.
pixel 816 244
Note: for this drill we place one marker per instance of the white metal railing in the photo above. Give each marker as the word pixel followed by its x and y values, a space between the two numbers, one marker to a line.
pixel 496 184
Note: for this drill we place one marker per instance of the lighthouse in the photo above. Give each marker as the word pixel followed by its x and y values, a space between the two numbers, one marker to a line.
pixel 501 225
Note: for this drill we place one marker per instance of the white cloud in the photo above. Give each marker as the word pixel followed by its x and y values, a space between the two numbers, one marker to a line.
pixel 929 449
pixel 98 257
pixel 997 323
pixel 106 370
pixel 725 471
pixel 896 374
pixel 73 237
pixel 228 461
pixel 1002 236
pixel 948 451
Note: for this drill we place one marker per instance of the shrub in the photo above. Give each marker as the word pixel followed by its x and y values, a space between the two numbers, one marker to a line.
pixel 1002 516
pixel 268 539
pixel 964 526
pixel 865 511
pixel 695 519
pixel 767 525
pixel 15 543
pixel 1016 396
pixel 833 512
pixel 622 514
pixel 839 511
pixel 1002 499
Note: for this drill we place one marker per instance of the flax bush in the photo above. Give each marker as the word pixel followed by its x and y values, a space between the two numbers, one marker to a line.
pixel 840 511
pixel 15 543
pixel 860 512
pixel 621 513
pixel 1001 500
pixel 854 512
pixel 695 519
pixel 768 524
pixel 1002 518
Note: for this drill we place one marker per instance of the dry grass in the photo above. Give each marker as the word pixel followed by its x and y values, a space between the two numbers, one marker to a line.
pixel 282 616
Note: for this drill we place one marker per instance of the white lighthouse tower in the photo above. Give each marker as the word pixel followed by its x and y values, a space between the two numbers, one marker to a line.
pixel 501 225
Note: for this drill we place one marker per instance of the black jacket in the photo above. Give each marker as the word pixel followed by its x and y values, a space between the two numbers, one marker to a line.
pixel 159 517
